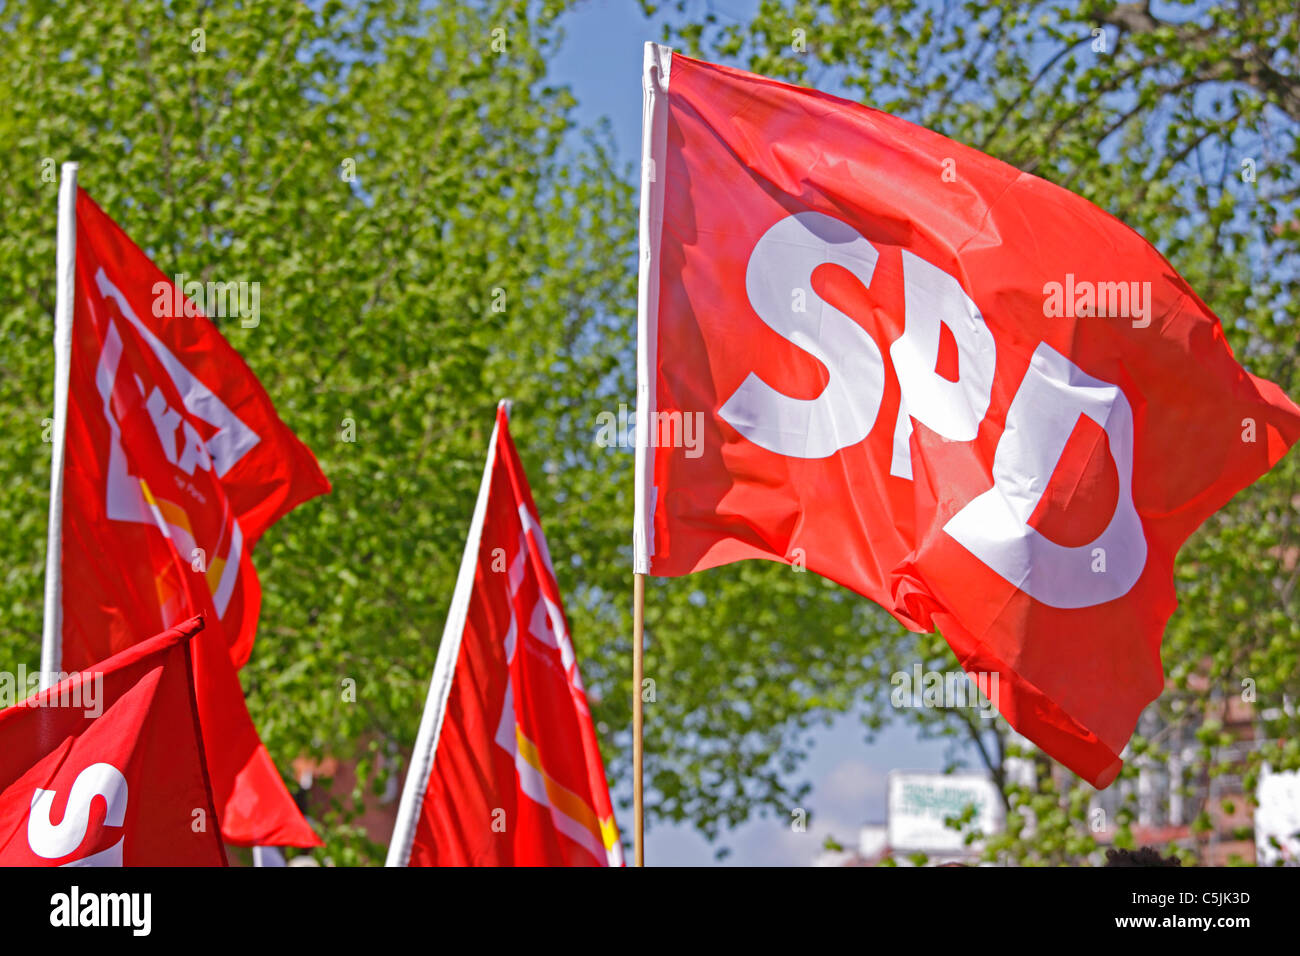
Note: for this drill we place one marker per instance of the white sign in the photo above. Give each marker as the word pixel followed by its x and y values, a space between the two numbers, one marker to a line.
pixel 1278 817
pixel 919 802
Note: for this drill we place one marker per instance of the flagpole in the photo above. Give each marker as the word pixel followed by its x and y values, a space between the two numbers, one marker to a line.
pixel 65 291
pixel 638 669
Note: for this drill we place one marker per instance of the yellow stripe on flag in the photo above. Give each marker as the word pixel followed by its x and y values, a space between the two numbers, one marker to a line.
pixel 561 798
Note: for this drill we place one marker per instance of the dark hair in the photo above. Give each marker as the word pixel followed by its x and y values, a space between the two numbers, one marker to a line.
pixel 1143 856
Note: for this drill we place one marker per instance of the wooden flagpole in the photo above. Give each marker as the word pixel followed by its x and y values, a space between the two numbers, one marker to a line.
pixel 638 670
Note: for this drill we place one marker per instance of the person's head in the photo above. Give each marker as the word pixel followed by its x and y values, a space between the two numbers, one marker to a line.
pixel 1143 856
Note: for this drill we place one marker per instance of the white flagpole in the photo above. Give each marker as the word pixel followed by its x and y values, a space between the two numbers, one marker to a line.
pixel 444 669
pixel 65 291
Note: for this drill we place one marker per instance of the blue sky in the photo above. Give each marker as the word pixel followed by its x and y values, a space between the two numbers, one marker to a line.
pixel 601 62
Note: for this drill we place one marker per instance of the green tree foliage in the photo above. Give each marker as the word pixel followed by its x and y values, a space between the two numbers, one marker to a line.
pixel 485 247
pixel 430 232
pixel 1181 119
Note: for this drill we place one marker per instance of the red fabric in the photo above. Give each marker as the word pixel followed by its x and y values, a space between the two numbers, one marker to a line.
pixel 517 777
pixel 176 464
pixel 893 228
pixel 106 768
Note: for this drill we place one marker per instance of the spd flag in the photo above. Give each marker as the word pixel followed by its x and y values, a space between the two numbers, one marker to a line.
pixel 106 768
pixel 961 391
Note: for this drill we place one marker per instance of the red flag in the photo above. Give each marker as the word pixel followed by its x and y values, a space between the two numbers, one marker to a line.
pixel 114 754
pixel 176 464
pixel 958 390
pixel 506 770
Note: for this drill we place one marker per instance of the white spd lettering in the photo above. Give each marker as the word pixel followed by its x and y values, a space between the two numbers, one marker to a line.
pixel 52 841
pixel 844 413
pixel 995 526
pixel 933 299
pixel 1043 413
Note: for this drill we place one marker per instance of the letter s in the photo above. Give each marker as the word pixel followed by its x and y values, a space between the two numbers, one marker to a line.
pixel 843 414
pixel 98 780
